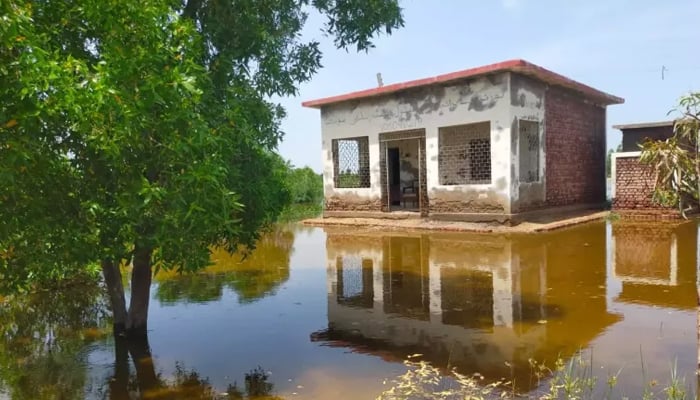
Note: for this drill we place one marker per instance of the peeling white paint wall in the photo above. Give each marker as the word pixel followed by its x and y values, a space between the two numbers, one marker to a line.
pixel 527 103
pixel 487 98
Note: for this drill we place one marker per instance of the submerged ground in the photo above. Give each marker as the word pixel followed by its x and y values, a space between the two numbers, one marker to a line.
pixel 332 313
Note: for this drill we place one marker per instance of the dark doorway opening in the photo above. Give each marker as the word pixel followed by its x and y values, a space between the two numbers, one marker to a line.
pixel 394 171
pixel 403 172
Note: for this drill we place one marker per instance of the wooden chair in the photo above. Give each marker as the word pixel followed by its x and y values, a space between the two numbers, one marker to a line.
pixel 410 193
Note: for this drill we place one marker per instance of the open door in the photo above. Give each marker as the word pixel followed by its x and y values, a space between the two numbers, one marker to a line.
pixel 403 172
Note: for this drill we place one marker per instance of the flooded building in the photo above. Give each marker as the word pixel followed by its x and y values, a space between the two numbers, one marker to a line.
pixel 492 143
pixel 491 304
pixel 633 182
pixel 485 304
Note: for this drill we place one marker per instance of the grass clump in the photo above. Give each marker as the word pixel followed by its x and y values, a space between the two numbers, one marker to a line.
pixel 570 380
pixel 423 381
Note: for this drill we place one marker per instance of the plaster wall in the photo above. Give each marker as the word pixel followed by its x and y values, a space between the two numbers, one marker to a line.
pixel 527 100
pixel 484 99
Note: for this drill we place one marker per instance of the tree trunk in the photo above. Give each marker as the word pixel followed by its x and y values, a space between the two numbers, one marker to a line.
pixel 119 384
pixel 115 290
pixel 146 377
pixel 137 319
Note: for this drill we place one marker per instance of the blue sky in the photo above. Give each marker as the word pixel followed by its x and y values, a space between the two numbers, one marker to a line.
pixel 617 46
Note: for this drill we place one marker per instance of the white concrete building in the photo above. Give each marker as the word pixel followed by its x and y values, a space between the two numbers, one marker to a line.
pixel 488 143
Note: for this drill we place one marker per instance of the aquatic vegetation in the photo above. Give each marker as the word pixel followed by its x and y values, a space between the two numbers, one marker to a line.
pixel 572 380
pixel 423 381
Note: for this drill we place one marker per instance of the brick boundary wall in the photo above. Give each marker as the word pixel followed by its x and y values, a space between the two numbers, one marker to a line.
pixel 634 187
pixel 575 149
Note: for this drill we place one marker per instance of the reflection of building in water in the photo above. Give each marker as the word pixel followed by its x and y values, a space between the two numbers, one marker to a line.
pixel 480 303
pixel 655 264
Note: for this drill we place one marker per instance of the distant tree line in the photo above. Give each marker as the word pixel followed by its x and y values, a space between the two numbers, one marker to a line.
pixel 305 188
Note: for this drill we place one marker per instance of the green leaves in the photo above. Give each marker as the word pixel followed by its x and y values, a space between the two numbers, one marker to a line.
pixel 150 123
pixel 675 162
pixel 305 185
pixel 356 22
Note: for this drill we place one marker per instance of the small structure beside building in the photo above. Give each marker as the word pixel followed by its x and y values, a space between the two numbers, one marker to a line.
pixel 492 143
pixel 633 182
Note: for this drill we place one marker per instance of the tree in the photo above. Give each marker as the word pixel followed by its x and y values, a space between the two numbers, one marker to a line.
pixel 142 132
pixel 675 162
pixel 306 191
pixel 305 186
pixel 608 160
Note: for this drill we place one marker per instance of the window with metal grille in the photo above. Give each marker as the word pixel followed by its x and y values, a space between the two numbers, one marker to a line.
pixel 351 162
pixel 464 154
pixel 529 145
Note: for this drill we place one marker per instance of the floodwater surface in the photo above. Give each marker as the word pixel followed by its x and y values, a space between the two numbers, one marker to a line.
pixel 326 313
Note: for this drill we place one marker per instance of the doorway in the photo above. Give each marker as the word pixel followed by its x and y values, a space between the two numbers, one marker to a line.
pixel 402 160
pixel 393 164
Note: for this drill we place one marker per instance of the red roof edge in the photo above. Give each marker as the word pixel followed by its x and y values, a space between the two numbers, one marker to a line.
pixel 517 65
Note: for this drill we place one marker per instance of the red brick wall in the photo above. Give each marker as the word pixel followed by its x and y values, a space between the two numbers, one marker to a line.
pixel 575 149
pixel 634 185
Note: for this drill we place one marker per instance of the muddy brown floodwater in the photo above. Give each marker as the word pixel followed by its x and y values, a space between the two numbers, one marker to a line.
pixel 332 313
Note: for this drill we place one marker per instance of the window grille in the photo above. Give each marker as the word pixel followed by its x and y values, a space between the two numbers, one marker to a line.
pixel 351 162
pixel 465 154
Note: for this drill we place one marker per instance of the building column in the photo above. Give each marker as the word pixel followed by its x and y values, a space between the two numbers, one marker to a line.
pixel 503 289
pixel 435 292
pixel 378 283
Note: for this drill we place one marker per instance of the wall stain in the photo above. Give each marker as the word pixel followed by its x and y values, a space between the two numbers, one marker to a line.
pixel 514 133
pixel 481 104
pixel 500 184
pixel 467 201
pixel 526 92
pixel 404 109
pixel 387 114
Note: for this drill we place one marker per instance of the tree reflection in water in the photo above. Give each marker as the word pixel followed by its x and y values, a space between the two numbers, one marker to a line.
pixel 47 338
pixel 253 277
pixel 43 339
pixel 184 384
